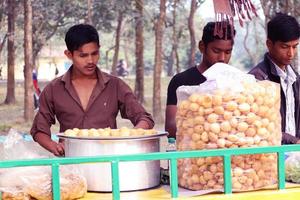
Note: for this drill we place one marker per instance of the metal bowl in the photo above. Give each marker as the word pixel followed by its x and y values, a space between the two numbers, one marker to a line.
pixel 136 175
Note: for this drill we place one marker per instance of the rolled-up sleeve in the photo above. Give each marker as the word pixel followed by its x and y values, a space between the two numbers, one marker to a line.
pixel 129 106
pixel 46 115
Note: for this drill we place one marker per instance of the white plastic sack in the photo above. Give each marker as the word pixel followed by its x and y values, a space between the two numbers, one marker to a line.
pixel 219 76
pixel 292 167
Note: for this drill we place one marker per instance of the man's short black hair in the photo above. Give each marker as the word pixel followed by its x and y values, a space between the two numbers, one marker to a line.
pixel 209 32
pixel 79 35
pixel 284 28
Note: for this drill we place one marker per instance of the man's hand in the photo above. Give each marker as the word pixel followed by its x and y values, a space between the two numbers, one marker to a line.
pixel 298 142
pixel 142 124
pixel 57 148
pixel 45 141
pixel 170 122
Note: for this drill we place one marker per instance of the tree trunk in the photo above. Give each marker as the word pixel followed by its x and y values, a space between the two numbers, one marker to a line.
pixel 1 48
pixel 34 60
pixel 2 43
pixel 139 51
pixel 126 53
pixel 174 42
pixel 296 4
pixel 192 33
pixel 117 42
pixel 107 54
pixel 170 63
pixel 179 35
pixel 257 40
pixel 89 19
pixel 159 28
pixel 252 57
pixel 2 40
pixel 28 55
pixel 10 96
pixel 177 61
pixel 176 38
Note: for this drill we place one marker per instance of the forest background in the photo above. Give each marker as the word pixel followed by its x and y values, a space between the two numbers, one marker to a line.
pixel 156 39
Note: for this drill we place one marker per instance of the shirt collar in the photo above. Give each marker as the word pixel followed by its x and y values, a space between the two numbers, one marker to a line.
pixel 103 78
pixel 281 73
pixel 289 73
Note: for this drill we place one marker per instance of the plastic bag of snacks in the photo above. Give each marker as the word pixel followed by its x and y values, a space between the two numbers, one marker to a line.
pixel 72 185
pixel 236 113
pixel 292 169
pixel 35 181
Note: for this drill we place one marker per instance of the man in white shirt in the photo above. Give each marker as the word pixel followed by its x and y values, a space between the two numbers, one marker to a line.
pixel 282 42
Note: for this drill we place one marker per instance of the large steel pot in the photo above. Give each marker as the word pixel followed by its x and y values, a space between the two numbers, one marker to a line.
pixel 134 175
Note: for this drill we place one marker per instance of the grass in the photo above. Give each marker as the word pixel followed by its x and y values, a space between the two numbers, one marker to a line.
pixel 11 116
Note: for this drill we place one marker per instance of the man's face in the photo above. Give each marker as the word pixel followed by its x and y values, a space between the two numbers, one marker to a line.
pixel 282 53
pixel 85 58
pixel 216 51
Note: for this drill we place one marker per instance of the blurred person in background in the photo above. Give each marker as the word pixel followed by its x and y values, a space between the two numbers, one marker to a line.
pixel 122 68
pixel 56 72
pixel 37 90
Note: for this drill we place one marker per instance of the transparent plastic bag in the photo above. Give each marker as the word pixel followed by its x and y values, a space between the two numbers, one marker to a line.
pixel 215 115
pixel 72 185
pixel 16 148
pixel 292 167
pixel 14 194
pixel 36 181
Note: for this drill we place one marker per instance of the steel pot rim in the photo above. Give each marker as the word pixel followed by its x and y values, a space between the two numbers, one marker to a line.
pixel 143 137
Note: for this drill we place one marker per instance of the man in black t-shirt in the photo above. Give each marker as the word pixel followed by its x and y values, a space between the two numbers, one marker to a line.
pixel 214 49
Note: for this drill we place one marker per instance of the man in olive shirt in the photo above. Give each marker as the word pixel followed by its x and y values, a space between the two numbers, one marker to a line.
pixel 85 97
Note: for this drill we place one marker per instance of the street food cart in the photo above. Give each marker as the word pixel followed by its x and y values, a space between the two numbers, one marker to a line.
pixel 283 190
